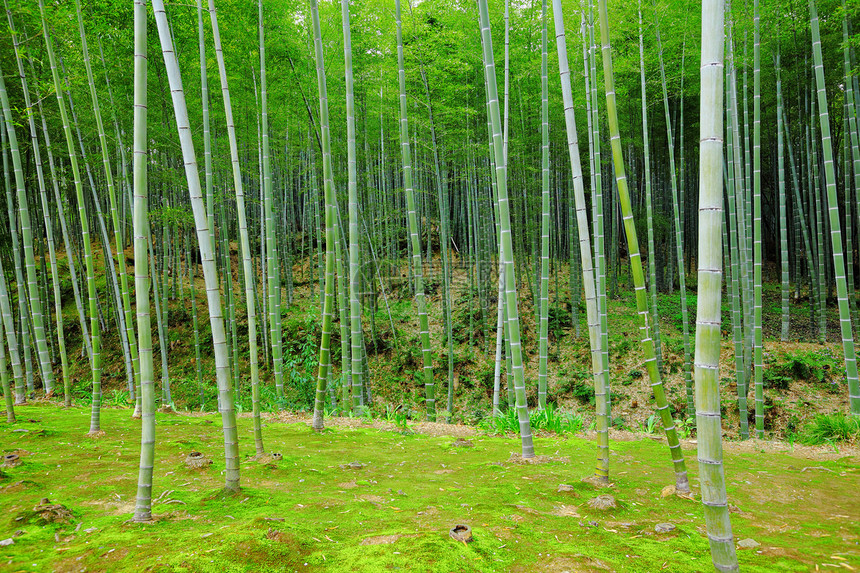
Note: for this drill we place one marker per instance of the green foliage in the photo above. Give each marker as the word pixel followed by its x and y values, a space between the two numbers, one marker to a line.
pixel 558 321
pixel 579 390
pixel 622 348
pixel 301 347
pixel 186 393
pixel 398 416
pixel 632 376
pixel 408 357
pixel 82 392
pixel 686 427
pixel 549 419
pixel 831 428
pixel 463 317
pixel 651 425
pixel 574 384
pixel 659 221
pixel 812 366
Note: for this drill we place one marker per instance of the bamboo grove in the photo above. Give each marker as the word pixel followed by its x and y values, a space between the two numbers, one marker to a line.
pixel 361 153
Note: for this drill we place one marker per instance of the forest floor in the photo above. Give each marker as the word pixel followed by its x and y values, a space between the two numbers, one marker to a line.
pixel 311 511
pixel 803 377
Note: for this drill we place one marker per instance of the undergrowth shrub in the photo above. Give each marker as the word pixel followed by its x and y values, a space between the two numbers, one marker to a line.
pixel 549 419
pixel 574 385
pixel 830 428
pixel 812 366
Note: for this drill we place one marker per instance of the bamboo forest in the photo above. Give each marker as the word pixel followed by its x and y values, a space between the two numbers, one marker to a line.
pixel 430 285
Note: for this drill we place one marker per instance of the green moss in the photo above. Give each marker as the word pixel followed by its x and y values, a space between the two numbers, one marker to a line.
pixel 307 512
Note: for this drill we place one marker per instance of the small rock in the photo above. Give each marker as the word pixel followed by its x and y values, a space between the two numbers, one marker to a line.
pixel 20 430
pixel 6 542
pixel 462 443
pixel 355 465
pixel 19 533
pixel 664 527
pixel 91 529
pixel 748 543
pixel 401 492
pixel 564 487
pixel 603 502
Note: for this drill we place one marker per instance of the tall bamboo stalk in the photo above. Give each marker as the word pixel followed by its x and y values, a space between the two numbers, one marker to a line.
pixel 758 358
pixel 11 336
pixel 835 225
pixel 643 316
pixel 587 262
pixel 49 233
pixel 4 381
pixel 95 333
pixel 707 358
pixel 415 241
pixel 25 381
pixel 679 236
pixel 109 181
pixel 506 244
pixel 649 210
pixel 247 267
pixel 352 190
pixel 330 228
pixel 34 300
pixel 783 215
pixel 204 240
pixel 544 227
pixel 143 505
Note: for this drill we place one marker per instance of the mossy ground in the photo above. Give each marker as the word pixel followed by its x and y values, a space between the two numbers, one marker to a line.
pixel 307 513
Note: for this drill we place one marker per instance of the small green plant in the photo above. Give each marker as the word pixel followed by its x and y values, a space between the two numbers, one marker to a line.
pixel 686 427
pixel 650 425
pixel 116 397
pixel 622 348
pixel 631 377
pixel 831 428
pixel 577 388
pixel 399 417
pixel 504 423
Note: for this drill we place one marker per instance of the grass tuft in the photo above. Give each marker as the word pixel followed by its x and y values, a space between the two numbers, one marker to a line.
pixel 549 419
pixel 830 428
